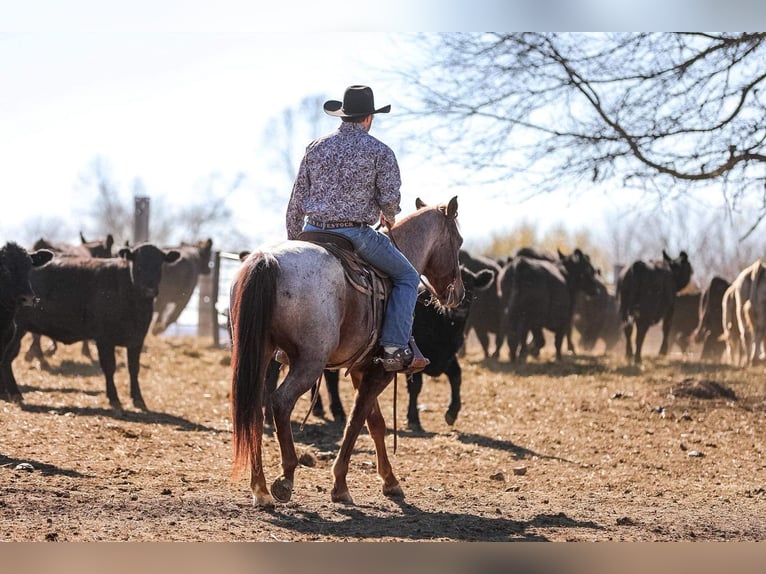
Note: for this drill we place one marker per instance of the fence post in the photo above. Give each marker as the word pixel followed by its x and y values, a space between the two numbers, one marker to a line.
pixel 140 220
pixel 216 277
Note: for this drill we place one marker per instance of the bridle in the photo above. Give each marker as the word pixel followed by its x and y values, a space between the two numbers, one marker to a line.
pixel 428 286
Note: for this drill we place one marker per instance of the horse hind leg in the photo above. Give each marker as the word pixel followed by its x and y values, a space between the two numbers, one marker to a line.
pixel 300 378
pixel 261 495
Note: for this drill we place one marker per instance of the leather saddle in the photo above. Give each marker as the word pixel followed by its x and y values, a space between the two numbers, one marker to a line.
pixel 369 281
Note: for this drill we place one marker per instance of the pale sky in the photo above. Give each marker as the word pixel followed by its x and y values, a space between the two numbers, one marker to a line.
pixel 170 91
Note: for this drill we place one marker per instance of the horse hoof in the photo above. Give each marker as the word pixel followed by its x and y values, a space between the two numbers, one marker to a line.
pixel 394 491
pixel 263 500
pixel 282 489
pixel 343 497
pixel 450 418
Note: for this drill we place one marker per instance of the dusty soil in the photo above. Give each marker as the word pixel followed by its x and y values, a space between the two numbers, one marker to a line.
pixel 587 450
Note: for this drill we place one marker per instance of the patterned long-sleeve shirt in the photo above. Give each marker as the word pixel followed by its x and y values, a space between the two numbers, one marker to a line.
pixel 347 175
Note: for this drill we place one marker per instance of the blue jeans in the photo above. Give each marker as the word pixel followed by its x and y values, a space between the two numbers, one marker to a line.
pixel 377 249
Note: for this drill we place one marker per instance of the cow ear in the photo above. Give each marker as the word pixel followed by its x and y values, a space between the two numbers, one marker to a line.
pixel 172 256
pixel 125 253
pixel 683 256
pixel 484 278
pixel 452 208
pixel 41 257
pixel 419 203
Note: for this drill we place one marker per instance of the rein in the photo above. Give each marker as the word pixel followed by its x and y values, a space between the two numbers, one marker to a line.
pixel 429 288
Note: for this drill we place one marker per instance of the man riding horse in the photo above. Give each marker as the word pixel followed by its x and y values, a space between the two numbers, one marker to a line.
pixel 347 181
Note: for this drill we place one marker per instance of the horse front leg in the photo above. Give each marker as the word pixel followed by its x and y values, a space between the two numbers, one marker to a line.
pixel 368 386
pixel 376 425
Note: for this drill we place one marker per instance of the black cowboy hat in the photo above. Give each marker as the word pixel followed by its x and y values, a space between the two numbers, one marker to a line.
pixel 357 101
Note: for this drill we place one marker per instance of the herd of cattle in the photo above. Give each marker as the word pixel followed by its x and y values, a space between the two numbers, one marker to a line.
pixel 72 293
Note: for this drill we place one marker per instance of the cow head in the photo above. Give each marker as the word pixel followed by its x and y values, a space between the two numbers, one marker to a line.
pixel 582 273
pixel 15 265
pixel 473 283
pixel 681 268
pixel 146 266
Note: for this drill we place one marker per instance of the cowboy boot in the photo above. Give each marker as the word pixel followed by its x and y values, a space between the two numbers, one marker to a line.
pixel 419 361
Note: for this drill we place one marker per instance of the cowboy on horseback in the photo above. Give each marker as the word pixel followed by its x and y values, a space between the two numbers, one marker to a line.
pixel 347 181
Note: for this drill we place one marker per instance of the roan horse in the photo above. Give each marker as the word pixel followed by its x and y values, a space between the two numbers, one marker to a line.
pixel 295 297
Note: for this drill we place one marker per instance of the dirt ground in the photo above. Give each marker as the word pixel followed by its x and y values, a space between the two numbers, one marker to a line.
pixel 587 450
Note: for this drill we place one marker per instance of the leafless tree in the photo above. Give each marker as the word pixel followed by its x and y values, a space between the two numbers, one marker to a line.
pixel 669 113
pixel 112 212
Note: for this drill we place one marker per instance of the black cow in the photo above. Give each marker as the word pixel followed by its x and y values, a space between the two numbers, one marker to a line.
pixel 440 333
pixel 486 310
pixel 101 248
pixel 96 248
pixel 685 319
pixel 597 317
pixel 179 281
pixel 15 289
pixel 540 294
pixel 647 294
pixel 107 300
pixel 709 330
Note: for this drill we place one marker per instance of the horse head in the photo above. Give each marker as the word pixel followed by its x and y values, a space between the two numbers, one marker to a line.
pixel 431 240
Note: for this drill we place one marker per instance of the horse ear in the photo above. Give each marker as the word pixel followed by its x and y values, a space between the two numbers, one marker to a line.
pixel 452 207
pixel 419 203
pixel 665 256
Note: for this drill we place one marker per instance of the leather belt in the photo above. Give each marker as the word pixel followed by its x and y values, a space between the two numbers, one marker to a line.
pixel 334 224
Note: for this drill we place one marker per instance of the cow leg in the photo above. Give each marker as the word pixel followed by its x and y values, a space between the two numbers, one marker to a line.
pixel 8 387
pixel 455 375
pixel 628 331
pixel 641 329
pixel 558 341
pixel 134 365
pixel 414 386
pixel 108 365
pixel 35 350
pixel 332 380
pixel 499 340
pixel 483 336
pixel 666 321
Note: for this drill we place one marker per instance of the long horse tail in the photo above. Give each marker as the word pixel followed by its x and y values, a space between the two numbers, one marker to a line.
pixel 251 313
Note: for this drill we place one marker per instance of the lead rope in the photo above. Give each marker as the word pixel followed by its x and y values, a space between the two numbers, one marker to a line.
pixel 396 375
pixel 396 434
